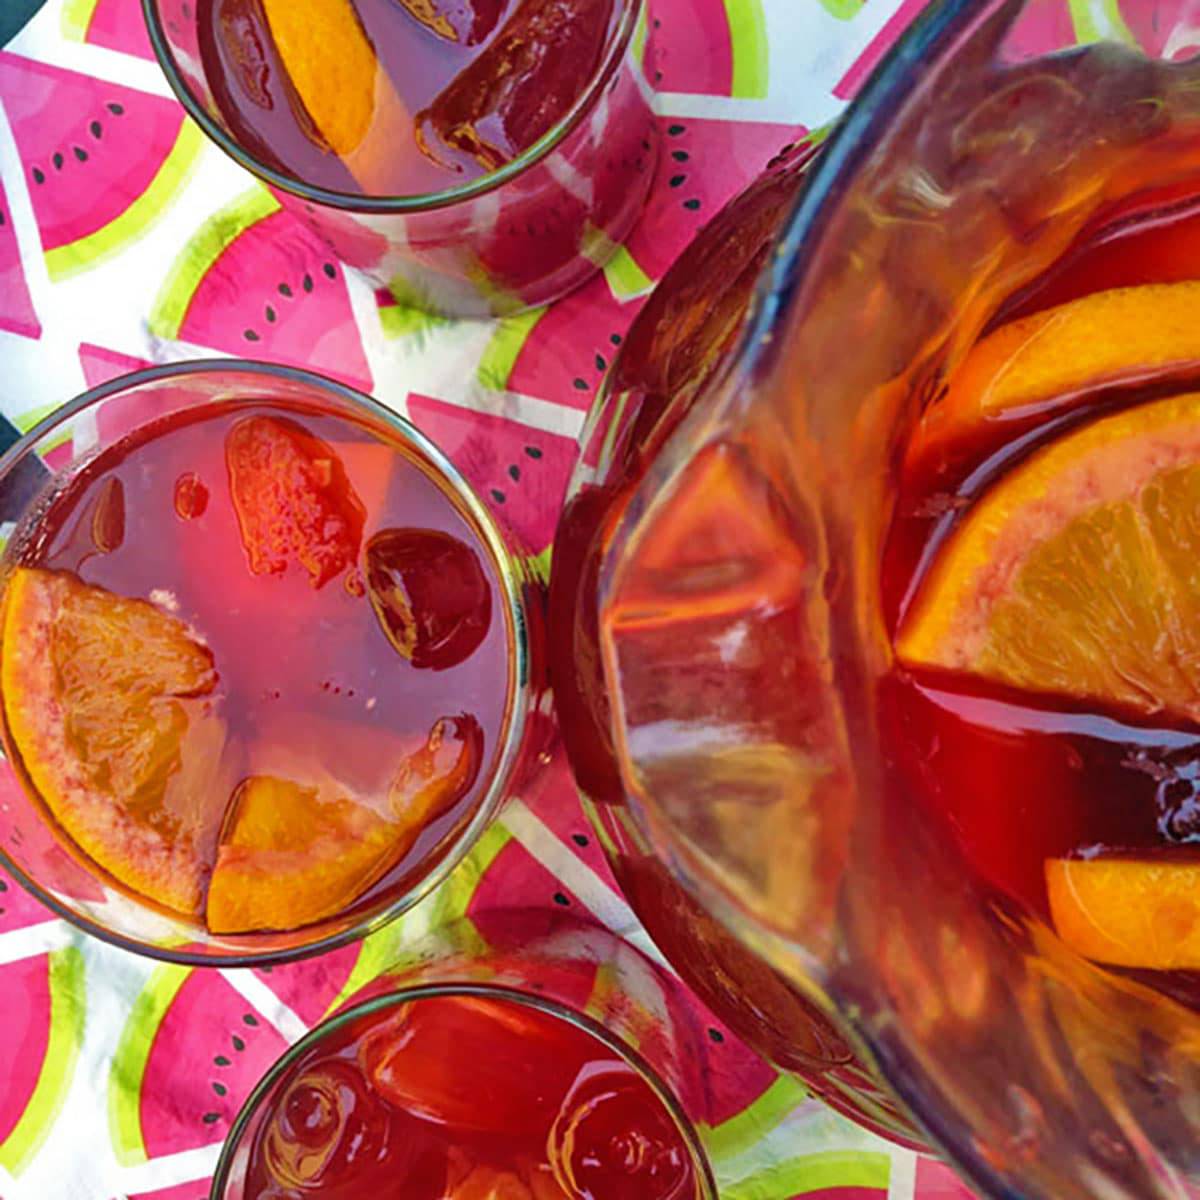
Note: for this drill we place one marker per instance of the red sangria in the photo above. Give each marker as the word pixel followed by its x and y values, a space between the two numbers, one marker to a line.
pixel 257 659
pixel 474 1095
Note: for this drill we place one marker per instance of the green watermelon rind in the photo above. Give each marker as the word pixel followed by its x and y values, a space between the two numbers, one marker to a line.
pixel 751 54
pixel 447 905
pixel 68 1002
pixel 169 180
pixel 203 249
pixel 504 348
pixel 131 1058
pixel 76 18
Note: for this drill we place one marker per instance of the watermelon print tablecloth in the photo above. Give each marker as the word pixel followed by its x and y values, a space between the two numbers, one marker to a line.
pixel 126 239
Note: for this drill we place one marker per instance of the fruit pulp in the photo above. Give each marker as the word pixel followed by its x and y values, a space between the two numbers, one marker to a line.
pixel 256 667
pixel 466 1097
pixel 1071 785
pixel 399 97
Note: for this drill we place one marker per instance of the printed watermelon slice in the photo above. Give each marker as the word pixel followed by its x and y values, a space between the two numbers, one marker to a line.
pixel 559 353
pixel 16 308
pixel 18 908
pixel 520 471
pixel 190 1052
pixel 114 24
pixel 101 365
pixel 709 48
pixel 102 161
pixel 253 281
pixel 703 165
pixel 39 1044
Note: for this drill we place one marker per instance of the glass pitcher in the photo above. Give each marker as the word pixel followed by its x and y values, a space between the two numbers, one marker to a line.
pixel 721 619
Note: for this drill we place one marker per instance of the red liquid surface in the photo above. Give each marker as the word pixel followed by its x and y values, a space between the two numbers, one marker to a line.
pixel 477 81
pixel 1021 779
pixel 467 1098
pixel 352 613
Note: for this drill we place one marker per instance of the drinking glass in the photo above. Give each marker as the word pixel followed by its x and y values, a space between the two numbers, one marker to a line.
pixel 514 238
pixel 46 460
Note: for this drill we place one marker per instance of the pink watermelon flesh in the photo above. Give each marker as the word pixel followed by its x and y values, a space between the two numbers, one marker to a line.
pixel 208 1053
pixel 119 25
pixel 24 1036
pixel 701 167
pixel 16 308
pixel 936 1181
pixel 275 293
pixel 570 348
pixel 520 471
pixel 690 50
pixel 847 87
pixel 18 908
pixel 89 148
pixel 309 987
pixel 101 365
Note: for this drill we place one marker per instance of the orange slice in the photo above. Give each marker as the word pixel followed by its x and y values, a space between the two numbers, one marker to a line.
pixel 101 700
pixel 1079 572
pixel 341 83
pixel 1128 912
pixel 293 854
pixel 1044 361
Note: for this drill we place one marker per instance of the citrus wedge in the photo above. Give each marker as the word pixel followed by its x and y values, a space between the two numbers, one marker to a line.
pixel 292 854
pixel 341 83
pixel 101 699
pixel 1078 574
pixel 1128 912
pixel 1044 361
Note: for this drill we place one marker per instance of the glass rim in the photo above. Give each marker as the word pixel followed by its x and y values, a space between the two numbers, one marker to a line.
pixel 517 616
pixel 705 1179
pixel 632 13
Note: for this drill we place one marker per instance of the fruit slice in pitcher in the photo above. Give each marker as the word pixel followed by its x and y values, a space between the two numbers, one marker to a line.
pixel 1040 363
pixel 104 707
pixel 524 81
pixel 1128 912
pixel 346 96
pixel 1078 574
pixel 468 22
pixel 292 853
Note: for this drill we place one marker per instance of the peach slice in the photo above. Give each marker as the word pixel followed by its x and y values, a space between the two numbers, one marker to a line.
pixel 103 707
pixel 1043 362
pixel 1128 912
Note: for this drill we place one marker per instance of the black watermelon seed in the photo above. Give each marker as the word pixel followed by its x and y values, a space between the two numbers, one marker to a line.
pixel 38 177
pixel 270 313
pixel 581 385
pixel 250 335
pixel 249 1019
pixel 220 1089
pixel 680 155
pixel 716 1035
pixel 238 1044
pixel 80 153
pixel 117 110
pixel 498 496
pixel 3 886
pixel 559 898
pixel 657 23
pixel 308 282
pixel 601 365
pixel 3 222
pixel 675 130
pixel 692 205
pixel 645 143
pixel 514 473
pixel 3 911
pixel 615 338
pixel 96 128
pixel 211 1118
pixel 678 180
pixel 284 290
pixel 221 1060
pixel 580 839
pixel 658 77
pixel 330 270
pixel 533 451
pixel 58 161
